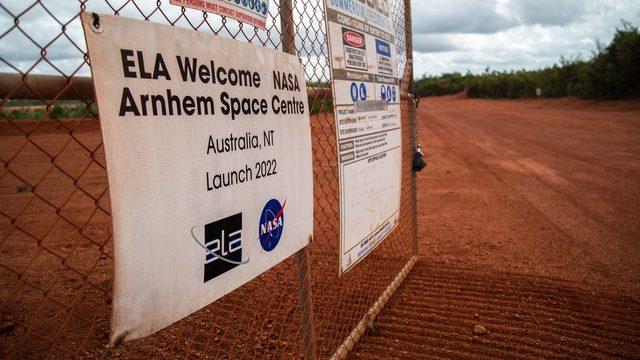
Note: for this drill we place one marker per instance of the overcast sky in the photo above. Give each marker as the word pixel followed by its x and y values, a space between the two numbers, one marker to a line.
pixel 449 35
pixel 461 35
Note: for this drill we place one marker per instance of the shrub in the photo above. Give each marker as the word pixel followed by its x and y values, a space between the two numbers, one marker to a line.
pixel 613 72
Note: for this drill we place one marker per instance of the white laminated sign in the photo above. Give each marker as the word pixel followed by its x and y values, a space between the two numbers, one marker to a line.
pixel 253 12
pixel 208 151
pixel 366 96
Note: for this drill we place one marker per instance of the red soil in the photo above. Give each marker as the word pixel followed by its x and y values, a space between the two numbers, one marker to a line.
pixel 529 223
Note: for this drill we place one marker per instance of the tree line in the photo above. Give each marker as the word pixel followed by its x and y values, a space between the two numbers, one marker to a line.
pixel 612 72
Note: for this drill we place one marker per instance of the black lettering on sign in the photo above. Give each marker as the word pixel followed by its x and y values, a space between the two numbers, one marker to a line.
pixel 129 66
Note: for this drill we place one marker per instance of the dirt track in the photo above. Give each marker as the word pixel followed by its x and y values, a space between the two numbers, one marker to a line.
pixel 530 226
pixel 529 218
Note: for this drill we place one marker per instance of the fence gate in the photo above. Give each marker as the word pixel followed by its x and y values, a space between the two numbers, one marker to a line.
pixel 56 246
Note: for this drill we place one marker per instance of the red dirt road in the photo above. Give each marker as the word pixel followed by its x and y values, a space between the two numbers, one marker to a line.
pixel 529 226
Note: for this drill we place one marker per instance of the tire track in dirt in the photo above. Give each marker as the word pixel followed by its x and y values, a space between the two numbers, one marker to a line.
pixel 576 220
pixel 461 155
pixel 533 144
pixel 543 252
pixel 433 314
pixel 562 214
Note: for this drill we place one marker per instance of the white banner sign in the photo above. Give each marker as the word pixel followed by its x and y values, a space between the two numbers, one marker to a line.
pixel 253 12
pixel 366 97
pixel 208 152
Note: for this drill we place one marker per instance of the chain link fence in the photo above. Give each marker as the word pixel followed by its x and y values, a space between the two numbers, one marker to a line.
pixel 56 243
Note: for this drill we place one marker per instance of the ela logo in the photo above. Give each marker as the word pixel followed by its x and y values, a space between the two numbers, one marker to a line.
pixel 271 224
pixel 223 240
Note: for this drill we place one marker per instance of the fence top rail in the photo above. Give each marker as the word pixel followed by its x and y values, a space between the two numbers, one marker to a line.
pixel 57 87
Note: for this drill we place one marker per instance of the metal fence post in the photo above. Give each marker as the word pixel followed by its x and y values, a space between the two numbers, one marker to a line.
pixel 287 28
pixel 412 117
pixel 408 33
pixel 306 304
pixel 414 190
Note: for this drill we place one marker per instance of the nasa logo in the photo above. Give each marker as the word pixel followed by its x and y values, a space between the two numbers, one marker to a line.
pixel 353 38
pixel 271 224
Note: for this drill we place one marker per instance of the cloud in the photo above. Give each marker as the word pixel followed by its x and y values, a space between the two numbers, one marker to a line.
pixel 433 44
pixel 548 12
pixel 533 34
pixel 492 16
pixel 449 35
pixel 43 22
pixel 459 16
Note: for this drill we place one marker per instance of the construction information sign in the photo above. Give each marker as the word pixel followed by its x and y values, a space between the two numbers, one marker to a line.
pixel 208 151
pixel 253 12
pixel 366 97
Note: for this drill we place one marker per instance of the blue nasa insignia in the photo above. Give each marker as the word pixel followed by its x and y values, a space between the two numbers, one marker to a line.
pixel 271 224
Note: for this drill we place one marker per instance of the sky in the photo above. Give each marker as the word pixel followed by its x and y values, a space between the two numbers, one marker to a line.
pixel 449 35
pixel 461 35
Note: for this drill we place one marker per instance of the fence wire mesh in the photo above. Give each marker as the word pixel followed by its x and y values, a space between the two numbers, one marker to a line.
pixel 56 243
